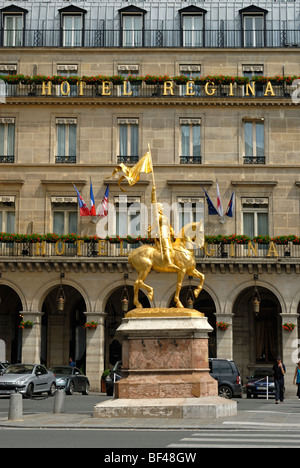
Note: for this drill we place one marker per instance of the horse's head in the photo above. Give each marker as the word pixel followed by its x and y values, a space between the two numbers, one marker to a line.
pixel 193 234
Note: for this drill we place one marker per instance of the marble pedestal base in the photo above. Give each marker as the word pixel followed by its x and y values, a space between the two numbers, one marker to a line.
pixel 165 352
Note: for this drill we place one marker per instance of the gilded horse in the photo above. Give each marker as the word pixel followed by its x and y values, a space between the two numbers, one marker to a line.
pixel 146 258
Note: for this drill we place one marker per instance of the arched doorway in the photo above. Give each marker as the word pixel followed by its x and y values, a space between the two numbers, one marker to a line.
pixel 114 315
pixel 205 304
pixel 63 335
pixel 10 318
pixel 256 337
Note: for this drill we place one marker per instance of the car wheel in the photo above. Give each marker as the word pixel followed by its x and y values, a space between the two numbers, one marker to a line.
pixel 248 395
pixel 71 389
pixel 225 392
pixel 52 390
pixel 29 391
pixel 87 389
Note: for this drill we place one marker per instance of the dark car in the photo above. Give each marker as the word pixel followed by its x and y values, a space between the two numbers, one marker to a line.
pixel 259 382
pixel 228 376
pixel 115 374
pixel 71 380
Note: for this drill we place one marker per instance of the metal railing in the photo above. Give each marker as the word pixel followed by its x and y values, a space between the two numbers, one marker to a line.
pixel 150 38
pixel 105 249
pixel 144 90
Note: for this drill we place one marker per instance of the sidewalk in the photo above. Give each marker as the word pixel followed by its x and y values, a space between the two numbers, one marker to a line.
pixel 261 414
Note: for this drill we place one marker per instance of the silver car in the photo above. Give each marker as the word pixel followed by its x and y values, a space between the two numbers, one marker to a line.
pixel 27 379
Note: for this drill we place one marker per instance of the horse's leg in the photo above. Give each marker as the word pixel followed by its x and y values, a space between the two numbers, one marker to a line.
pixel 197 274
pixel 140 284
pixel 180 277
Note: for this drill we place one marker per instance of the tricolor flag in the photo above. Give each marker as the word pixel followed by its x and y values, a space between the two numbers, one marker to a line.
pixel 84 211
pixel 103 211
pixel 93 208
pixel 219 207
pixel 230 208
pixel 211 209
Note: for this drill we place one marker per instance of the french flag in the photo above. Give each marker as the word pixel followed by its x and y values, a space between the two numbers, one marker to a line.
pixel 93 207
pixel 219 203
pixel 103 211
pixel 230 208
pixel 83 209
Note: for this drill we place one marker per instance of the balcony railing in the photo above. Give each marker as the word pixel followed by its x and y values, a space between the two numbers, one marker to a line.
pixel 161 38
pixel 144 90
pixel 190 159
pixel 128 159
pixel 65 159
pixel 104 249
pixel 7 159
pixel 254 160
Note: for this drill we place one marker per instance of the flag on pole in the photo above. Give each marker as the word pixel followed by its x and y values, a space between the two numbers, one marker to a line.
pixel 230 208
pixel 103 210
pixel 93 208
pixel 219 203
pixel 211 209
pixel 132 175
pixel 84 211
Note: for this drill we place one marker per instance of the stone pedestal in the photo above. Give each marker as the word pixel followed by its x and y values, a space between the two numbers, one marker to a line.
pixel 165 355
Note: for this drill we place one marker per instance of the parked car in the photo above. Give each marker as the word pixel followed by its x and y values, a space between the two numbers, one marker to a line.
pixel 258 383
pixel 116 374
pixel 71 380
pixel 228 376
pixel 27 379
pixel 3 366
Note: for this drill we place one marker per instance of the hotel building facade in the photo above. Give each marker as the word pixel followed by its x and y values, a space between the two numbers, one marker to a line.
pixel 212 88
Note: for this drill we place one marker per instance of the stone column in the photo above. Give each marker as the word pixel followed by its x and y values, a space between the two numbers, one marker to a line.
pixel 31 338
pixel 225 337
pixel 290 347
pixel 58 339
pixel 95 342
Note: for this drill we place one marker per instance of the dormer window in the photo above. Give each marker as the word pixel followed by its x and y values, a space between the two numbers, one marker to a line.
pixel 192 26
pixel 13 26
pixel 253 26
pixel 72 26
pixel 132 26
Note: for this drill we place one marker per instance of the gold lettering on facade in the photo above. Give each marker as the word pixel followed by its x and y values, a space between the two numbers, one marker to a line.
pixel 272 250
pixel 40 248
pixel 250 87
pixel 168 86
pixel 208 91
pixel 125 89
pixel 207 253
pixel 190 88
pixel 102 248
pixel 79 243
pixel 80 85
pixel 60 250
pixel 269 89
pixel 62 88
pixel 105 89
pixel 46 86
pixel 252 248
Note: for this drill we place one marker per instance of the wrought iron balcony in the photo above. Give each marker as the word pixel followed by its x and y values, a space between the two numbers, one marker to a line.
pixel 150 38
pixel 190 159
pixel 65 159
pixel 254 160
pixel 7 159
pixel 128 159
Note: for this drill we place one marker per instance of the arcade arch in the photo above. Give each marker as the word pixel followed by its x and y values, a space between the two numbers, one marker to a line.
pixel 257 339
pixel 114 315
pixel 10 318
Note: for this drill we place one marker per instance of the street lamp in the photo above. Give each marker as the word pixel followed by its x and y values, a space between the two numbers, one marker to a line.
pixel 125 296
pixel 61 297
pixel 190 298
pixel 256 297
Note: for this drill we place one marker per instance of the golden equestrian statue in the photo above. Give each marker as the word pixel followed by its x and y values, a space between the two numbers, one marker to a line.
pixel 168 255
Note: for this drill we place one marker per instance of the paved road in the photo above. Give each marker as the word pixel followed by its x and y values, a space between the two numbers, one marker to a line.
pixel 258 423
pixel 239 439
